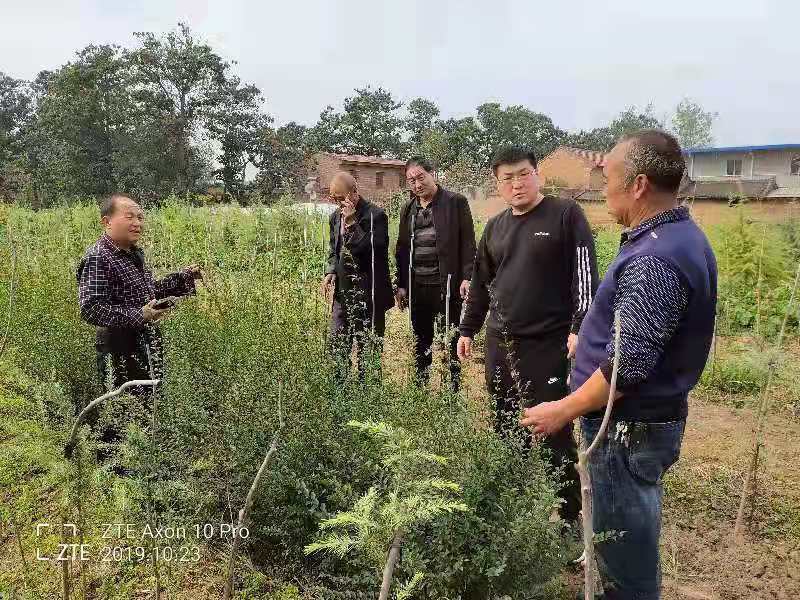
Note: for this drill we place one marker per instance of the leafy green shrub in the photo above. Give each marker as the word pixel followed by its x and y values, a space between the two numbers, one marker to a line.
pixel 755 277
pixel 744 373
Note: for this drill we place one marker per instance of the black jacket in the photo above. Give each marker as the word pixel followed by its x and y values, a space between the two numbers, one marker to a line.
pixel 356 242
pixel 455 239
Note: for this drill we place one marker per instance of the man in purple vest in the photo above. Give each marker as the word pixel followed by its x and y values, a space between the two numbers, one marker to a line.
pixel 663 282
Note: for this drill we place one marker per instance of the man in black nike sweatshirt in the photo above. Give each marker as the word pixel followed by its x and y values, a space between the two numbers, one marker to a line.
pixel 535 274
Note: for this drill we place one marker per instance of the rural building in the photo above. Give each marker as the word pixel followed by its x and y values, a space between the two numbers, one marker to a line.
pixel 377 177
pixel 574 172
pixel 754 172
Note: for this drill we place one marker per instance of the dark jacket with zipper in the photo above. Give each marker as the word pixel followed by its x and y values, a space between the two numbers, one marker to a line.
pixel 455 240
pixel 350 255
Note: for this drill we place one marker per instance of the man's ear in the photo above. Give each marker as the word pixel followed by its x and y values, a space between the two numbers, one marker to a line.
pixel 640 185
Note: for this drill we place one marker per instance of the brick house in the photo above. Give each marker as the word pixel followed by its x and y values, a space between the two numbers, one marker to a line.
pixel 377 177
pixel 574 172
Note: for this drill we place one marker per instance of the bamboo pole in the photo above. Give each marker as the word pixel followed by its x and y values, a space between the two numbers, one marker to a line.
pixel 410 263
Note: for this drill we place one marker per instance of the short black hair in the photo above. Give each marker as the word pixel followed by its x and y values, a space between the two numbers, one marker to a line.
pixel 109 204
pixel 509 155
pixel 420 161
pixel 656 154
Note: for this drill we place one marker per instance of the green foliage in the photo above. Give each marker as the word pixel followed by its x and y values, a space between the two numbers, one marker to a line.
pixel 464 175
pixel 369 124
pixel 744 373
pixel 606 243
pixel 422 115
pixel 756 276
pixel 692 125
pixel 408 497
pixel 515 126
pixel 258 322
pixel 628 121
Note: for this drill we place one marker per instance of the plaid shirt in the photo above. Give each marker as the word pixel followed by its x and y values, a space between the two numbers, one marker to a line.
pixel 114 285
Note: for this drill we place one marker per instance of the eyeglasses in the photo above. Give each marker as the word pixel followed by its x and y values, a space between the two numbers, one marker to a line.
pixel 418 179
pixel 518 177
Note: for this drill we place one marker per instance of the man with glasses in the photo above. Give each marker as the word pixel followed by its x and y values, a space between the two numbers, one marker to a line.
pixel 435 252
pixel 535 275
pixel 119 295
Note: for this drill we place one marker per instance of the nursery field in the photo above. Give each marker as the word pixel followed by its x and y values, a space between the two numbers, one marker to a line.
pixel 355 465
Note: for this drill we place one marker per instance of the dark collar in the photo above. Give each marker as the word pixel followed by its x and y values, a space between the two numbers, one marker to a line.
pixel 433 201
pixel 361 206
pixel 679 213
pixel 134 251
pixel 111 245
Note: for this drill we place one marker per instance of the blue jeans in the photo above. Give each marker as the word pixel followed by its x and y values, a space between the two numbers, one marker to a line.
pixel 626 470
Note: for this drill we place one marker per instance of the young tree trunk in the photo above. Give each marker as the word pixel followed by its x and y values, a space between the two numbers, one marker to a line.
pixel 585 478
pixel 391 561
pixel 244 513
pixel 763 409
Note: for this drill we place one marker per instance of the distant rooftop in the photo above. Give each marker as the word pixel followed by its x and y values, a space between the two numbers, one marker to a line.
pixel 372 160
pixel 742 148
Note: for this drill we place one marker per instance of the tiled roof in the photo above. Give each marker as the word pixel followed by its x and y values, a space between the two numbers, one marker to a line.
pixel 373 160
pixel 722 188
pixel 594 157
pixel 785 192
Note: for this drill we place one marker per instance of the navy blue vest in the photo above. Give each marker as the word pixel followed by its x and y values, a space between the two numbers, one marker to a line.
pixel 662 396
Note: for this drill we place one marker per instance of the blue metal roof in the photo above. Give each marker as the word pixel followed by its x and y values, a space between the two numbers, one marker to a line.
pixel 741 148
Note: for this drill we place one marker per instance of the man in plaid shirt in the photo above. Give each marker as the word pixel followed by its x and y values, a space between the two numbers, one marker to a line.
pixel 119 295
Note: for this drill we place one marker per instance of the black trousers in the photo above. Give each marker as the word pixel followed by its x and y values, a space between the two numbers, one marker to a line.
pixel 143 358
pixel 541 368
pixel 351 323
pixel 427 312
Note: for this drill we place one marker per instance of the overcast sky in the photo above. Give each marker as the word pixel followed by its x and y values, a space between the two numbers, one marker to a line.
pixel 580 62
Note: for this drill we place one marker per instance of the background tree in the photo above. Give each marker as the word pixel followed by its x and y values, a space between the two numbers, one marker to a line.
pixel 237 123
pixel 369 124
pixel 16 112
pixel 84 119
pixel 422 118
pixel 628 121
pixel 692 125
pixel 460 137
pixel 183 82
pixel 518 126
pixel 283 158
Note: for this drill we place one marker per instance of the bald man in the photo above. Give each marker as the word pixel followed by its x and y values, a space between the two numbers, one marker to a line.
pixel 357 273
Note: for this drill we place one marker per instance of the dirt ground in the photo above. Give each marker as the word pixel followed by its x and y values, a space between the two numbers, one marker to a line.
pixel 705 212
